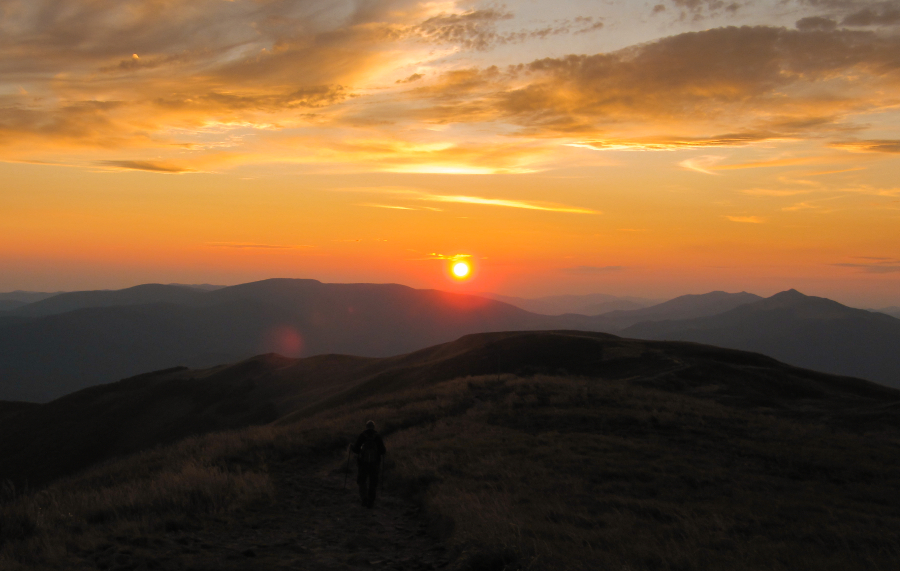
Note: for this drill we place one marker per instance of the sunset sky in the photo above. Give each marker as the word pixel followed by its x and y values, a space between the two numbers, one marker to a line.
pixel 569 146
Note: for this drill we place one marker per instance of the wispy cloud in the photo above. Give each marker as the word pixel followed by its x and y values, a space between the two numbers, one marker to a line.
pixel 875 268
pixel 445 257
pixel 799 206
pixel 389 206
pixel 746 219
pixel 593 269
pixel 477 29
pixel 782 162
pixel 702 164
pixel 252 246
pixel 872 146
pixel 420 195
pixel 150 166
pixel 544 206
pixel 775 191
pixel 674 143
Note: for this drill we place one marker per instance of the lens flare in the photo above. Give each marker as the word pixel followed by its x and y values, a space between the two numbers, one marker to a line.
pixel 460 269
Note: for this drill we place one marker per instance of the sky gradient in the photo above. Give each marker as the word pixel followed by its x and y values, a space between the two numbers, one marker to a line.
pixel 571 146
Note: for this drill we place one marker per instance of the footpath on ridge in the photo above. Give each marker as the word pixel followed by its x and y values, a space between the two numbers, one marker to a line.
pixel 312 524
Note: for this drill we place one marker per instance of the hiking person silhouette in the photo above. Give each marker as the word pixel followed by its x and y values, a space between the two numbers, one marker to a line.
pixel 370 449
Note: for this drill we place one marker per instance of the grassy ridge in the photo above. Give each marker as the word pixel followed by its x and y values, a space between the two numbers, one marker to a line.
pixel 536 472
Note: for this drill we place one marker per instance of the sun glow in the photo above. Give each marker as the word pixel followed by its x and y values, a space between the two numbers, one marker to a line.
pixel 461 270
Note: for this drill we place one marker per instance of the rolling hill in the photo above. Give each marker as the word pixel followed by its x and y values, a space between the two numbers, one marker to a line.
pixel 802 330
pixel 108 420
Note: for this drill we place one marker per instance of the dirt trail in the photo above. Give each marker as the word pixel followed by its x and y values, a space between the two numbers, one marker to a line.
pixel 313 524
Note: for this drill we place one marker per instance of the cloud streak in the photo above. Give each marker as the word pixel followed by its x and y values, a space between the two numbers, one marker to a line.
pixel 149 166
pixel 476 200
pixel 252 246
pixel 872 268
pixel 593 269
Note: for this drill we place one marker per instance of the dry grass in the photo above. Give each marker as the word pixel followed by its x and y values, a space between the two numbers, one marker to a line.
pixel 160 490
pixel 568 473
pixel 539 472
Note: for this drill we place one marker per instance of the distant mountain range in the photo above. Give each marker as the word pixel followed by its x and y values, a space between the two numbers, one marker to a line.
pixel 105 421
pixel 807 331
pixel 684 307
pixel 23 297
pixel 74 340
pixel 9 304
pixel 60 344
pixel 590 304
pixel 893 311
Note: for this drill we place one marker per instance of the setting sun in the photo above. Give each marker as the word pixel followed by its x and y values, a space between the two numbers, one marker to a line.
pixel 461 269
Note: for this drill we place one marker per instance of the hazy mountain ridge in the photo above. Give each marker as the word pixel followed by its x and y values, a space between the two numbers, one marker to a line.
pixel 9 304
pixel 27 296
pixel 137 295
pixel 47 357
pixel 590 304
pixel 802 330
pixel 893 311
pixel 682 307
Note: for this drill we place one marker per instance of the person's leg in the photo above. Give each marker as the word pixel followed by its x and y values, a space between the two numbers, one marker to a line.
pixel 361 474
pixel 373 485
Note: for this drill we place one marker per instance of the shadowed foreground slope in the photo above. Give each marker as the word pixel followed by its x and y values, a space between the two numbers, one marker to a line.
pixel 583 451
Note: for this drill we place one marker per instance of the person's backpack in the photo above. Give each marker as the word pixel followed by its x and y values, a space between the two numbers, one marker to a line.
pixel 368 451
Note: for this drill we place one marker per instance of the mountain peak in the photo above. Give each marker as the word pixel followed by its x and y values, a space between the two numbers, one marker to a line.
pixel 789 294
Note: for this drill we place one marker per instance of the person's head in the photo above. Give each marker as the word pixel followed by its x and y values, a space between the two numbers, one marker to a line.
pixel 370 425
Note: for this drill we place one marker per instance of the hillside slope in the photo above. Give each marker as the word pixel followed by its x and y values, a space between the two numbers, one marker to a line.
pixel 9 304
pixel 574 451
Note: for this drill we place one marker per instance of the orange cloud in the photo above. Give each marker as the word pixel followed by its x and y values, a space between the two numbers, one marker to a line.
pixel 773 82
pixel 162 87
